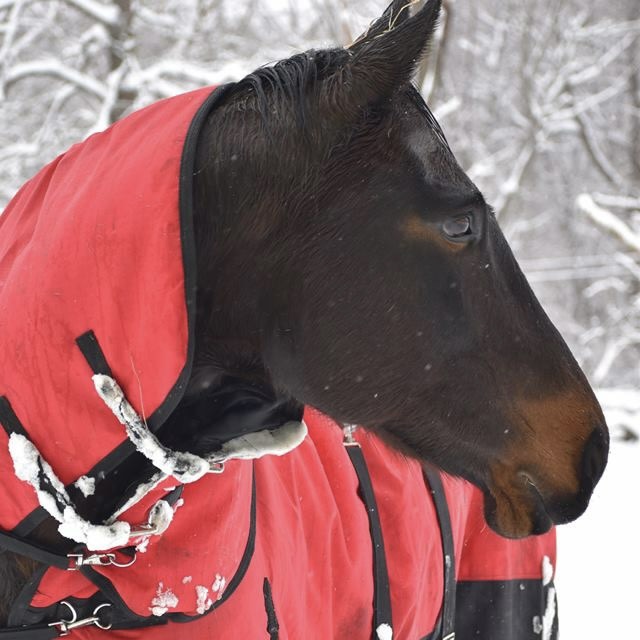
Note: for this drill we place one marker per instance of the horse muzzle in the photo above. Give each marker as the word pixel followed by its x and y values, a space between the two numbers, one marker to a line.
pixel 527 501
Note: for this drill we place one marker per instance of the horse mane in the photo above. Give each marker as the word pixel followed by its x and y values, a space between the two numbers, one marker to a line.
pixel 290 82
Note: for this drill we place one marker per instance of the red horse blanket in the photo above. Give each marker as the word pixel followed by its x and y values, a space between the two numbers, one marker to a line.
pixel 97 276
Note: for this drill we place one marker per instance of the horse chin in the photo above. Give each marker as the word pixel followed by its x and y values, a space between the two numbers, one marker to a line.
pixel 516 510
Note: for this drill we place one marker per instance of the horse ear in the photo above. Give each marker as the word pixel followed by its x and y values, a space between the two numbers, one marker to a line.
pixel 395 14
pixel 385 57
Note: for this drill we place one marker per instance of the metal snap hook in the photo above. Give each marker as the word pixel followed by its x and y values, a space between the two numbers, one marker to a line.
pixel 98 560
pixel 65 627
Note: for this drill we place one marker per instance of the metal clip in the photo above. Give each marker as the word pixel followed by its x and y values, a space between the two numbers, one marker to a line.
pixel 143 530
pixel 98 560
pixel 349 440
pixel 216 467
pixel 65 627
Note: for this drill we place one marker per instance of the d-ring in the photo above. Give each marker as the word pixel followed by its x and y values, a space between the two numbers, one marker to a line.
pixel 97 622
pixel 74 613
pixel 121 565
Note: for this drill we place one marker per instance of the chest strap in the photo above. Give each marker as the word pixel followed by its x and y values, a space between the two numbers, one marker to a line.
pixel 382 618
pixel 382 613
pixel 448 616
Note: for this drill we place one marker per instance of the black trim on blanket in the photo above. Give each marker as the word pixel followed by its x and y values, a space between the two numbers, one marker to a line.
pixel 186 202
pixel 381 589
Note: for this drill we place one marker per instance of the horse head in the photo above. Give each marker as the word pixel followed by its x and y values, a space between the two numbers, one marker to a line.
pixel 352 265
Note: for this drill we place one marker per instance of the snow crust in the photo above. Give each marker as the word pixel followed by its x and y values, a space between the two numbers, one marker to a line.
pixel 86 485
pixel 219 585
pixel 549 614
pixel 204 602
pixel 547 571
pixel 164 600
pixel 186 467
pixel 160 517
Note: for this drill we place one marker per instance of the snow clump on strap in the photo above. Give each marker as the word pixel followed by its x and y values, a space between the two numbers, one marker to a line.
pixel 32 468
pixel 185 467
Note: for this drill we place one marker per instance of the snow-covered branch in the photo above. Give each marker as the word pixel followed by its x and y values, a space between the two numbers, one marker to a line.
pixel 609 221
pixel 176 69
pixel 58 70
pixel 620 202
pixel 106 13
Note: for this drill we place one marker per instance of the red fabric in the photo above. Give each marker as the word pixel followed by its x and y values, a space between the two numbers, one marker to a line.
pixel 93 242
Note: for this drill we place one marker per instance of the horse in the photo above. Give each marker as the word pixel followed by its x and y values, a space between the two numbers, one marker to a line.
pixel 346 262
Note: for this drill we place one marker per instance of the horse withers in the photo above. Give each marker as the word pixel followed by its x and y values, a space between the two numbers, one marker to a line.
pixel 308 240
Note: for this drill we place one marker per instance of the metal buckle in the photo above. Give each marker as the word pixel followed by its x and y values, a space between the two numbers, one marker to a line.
pixel 349 440
pixel 97 560
pixel 65 627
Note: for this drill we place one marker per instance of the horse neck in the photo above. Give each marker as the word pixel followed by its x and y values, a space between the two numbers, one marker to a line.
pixel 231 257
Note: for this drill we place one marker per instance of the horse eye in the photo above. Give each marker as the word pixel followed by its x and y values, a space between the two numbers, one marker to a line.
pixel 457 227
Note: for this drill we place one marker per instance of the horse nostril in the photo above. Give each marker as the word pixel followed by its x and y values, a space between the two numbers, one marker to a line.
pixel 596 452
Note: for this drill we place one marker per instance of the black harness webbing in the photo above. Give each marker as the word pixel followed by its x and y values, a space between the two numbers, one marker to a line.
pixel 448 617
pixel 34 551
pixel 34 632
pixel 381 589
pixel 382 593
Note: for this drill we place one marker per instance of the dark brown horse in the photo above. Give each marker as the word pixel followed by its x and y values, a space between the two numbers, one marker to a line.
pixel 346 261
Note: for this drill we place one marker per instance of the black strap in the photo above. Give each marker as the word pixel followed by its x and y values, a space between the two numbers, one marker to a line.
pixel 11 541
pixel 34 632
pixel 91 350
pixel 381 589
pixel 9 419
pixel 448 618
pixel 36 552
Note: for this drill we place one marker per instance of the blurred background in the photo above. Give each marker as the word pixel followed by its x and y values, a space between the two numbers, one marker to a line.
pixel 540 101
